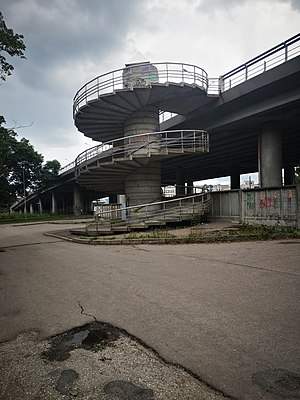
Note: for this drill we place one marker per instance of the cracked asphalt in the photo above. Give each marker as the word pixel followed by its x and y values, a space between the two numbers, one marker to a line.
pixel 225 312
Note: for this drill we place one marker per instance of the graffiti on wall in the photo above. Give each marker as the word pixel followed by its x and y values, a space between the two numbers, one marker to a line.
pixel 250 201
pixel 265 202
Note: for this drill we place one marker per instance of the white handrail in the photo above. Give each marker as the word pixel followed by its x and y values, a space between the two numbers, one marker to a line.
pixel 152 143
pixel 165 72
pixel 269 59
pixel 148 210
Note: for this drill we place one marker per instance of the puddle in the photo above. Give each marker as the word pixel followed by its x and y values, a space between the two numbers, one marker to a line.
pixel 279 381
pixel 94 337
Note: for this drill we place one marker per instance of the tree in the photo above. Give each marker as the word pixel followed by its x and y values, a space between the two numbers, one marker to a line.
pixel 49 173
pixel 20 165
pixel 12 44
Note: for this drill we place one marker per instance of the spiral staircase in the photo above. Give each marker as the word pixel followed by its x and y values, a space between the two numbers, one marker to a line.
pixel 121 110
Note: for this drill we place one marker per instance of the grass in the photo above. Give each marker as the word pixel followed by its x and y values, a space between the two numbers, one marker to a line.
pixel 155 234
pixel 21 218
pixel 245 232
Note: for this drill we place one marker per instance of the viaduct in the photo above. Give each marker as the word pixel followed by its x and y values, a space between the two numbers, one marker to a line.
pixel 245 121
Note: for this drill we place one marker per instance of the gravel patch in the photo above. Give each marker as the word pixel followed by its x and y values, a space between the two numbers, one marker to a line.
pixel 123 370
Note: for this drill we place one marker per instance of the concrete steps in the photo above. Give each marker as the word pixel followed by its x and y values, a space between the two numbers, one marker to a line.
pixel 161 219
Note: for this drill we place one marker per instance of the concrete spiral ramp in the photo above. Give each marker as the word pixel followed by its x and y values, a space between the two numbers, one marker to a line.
pixel 121 110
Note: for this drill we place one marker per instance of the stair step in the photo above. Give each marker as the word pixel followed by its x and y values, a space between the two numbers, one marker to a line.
pixel 138 225
pixel 120 228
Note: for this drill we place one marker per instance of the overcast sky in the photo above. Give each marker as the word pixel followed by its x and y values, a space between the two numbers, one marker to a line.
pixel 69 42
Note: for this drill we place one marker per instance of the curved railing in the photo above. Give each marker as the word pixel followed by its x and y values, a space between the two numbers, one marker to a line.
pixel 115 80
pixel 145 145
pixel 67 168
pixel 160 210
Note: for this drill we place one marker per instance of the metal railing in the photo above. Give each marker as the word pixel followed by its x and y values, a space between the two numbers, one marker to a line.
pixel 269 59
pixel 146 145
pixel 166 72
pixel 67 168
pixel 166 210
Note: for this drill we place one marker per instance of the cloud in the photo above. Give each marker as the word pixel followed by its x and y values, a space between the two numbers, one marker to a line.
pixel 70 42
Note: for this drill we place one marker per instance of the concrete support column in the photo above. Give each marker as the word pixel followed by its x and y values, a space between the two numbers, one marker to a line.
pixel 235 177
pixel 145 120
pixel 40 205
pixel 143 186
pixel 77 206
pixel 53 204
pixel 298 204
pixel 180 182
pixel 189 189
pixel 113 198
pixel 31 210
pixel 289 175
pixel 270 156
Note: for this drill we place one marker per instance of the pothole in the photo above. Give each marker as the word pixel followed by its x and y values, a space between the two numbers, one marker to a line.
pixel 95 337
pixel 279 381
pixel 128 391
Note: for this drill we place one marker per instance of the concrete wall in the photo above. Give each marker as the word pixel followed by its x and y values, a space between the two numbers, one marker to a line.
pixel 226 204
pixel 272 206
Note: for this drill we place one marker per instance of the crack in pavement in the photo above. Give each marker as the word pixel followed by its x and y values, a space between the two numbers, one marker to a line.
pixel 29 244
pixel 84 313
pixel 242 265
pixel 156 353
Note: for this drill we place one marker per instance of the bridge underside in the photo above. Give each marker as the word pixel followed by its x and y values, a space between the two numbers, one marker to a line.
pixel 236 146
pixel 235 123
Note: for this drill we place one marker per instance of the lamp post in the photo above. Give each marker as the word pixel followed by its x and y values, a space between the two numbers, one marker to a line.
pixel 24 189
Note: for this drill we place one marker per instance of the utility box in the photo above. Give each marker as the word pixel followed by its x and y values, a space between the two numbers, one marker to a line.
pixel 139 75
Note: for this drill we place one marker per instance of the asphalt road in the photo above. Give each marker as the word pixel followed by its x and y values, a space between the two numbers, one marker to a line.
pixel 224 311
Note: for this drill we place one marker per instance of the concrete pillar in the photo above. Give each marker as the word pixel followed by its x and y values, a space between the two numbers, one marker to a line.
pixel 289 175
pixel 31 210
pixel 40 205
pixel 53 204
pixel 113 198
pixel 270 156
pixel 143 186
pixel 122 201
pixel 77 206
pixel 145 120
pixel 234 177
pixel 180 181
pixel 189 189
pixel 298 205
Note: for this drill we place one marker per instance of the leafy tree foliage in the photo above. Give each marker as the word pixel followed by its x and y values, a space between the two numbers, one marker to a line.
pixel 49 173
pixel 12 44
pixel 20 166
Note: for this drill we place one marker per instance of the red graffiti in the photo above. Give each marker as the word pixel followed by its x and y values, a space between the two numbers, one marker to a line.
pixel 265 202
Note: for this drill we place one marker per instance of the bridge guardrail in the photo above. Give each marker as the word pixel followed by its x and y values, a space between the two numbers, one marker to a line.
pixel 269 59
